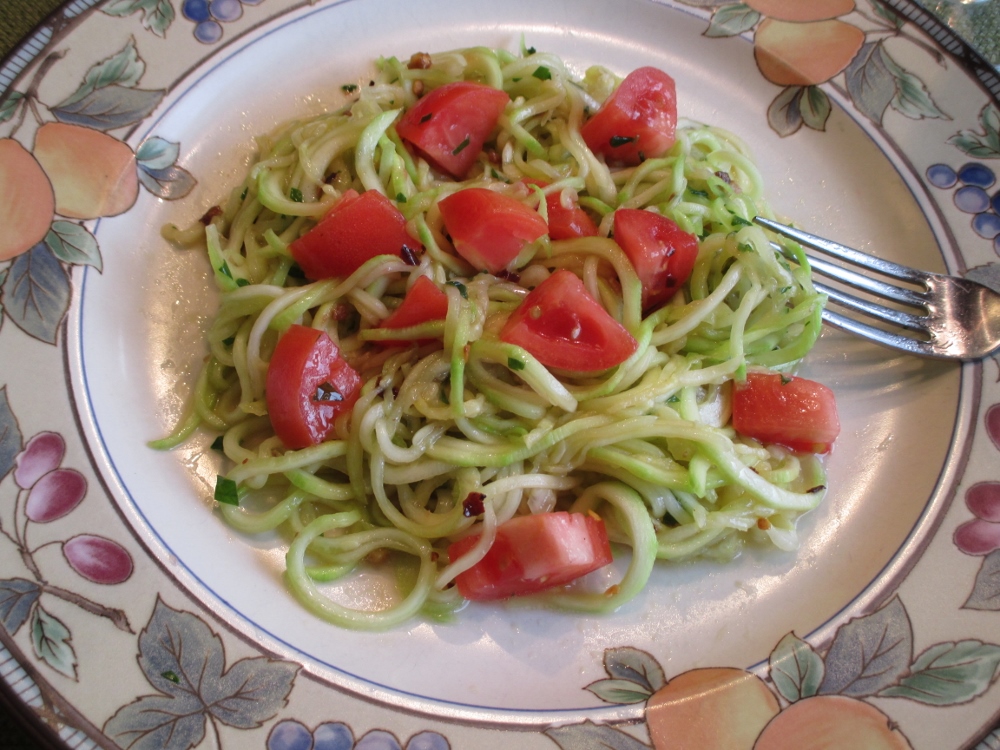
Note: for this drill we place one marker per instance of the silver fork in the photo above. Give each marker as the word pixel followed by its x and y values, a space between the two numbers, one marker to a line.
pixel 960 318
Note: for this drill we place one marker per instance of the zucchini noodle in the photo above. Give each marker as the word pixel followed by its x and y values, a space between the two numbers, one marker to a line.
pixel 646 445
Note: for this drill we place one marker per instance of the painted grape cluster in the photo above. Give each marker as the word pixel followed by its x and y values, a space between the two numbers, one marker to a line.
pixel 209 15
pixel 294 735
pixel 981 535
pixel 976 193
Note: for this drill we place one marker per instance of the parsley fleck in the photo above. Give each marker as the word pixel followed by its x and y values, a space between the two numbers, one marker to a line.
pixel 295 194
pixel 460 147
pixel 622 140
pixel 740 221
pixel 744 247
pixel 542 73
pixel 226 492
pixel 460 287
pixel 349 88
pixel 224 270
pixel 426 117
pixel 530 51
pixel 785 380
pixel 514 363
pixel 242 282
pixel 674 399
pixel 217 444
pixel 243 195
pixel 400 198
pixel 699 193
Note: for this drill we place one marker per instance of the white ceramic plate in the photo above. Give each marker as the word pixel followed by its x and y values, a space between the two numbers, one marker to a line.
pixel 101 335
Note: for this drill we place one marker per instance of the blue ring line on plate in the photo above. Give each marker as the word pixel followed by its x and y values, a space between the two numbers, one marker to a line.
pixel 367 688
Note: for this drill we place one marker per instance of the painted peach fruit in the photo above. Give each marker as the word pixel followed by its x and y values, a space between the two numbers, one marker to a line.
pixel 805 54
pixel 26 200
pixel 802 10
pixel 718 708
pixel 92 173
pixel 831 722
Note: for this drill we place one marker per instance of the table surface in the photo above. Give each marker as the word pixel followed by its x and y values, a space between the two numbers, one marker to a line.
pixel 977 22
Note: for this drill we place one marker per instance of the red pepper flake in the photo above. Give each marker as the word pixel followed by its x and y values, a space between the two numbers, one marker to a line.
pixel 210 214
pixel 473 505
pixel 763 524
pixel 611 590
pixel 505 275
pixel 409 257
pixel 817 488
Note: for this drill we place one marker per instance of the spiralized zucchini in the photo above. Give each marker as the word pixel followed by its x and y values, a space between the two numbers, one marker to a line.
pixel 647 445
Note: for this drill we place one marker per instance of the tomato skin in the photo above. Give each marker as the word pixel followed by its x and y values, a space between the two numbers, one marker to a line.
pixel 562 326
pixel 641 112
pixel 458 113
pixel 423 302
pixel 533 553
pixel 662 254
pixel 357 229
pixel 303 360
pixel 565 223
pixel 798 413
pixel 489 229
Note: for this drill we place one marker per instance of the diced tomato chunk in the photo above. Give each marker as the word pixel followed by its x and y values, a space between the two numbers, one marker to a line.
pixel 562 326
pixel 638 121
pixel 308 386
pixel 566 223
pixel 424 302
pixel 357 229
pixel 449 125
pixel 489 229
pixel 662 253
pixel 534 553
pixel 797 413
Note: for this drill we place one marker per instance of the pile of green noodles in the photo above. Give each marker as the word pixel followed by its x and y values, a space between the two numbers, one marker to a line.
pixel 647 445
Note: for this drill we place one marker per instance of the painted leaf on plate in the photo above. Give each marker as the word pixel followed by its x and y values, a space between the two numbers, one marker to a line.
pixel 732 20
pixel 796 669
pixel 869 81
pixel 157 15
pixel 125 68
pixel 51 640
pixel 157 153
pixel 590 736
pixel 185 660
pixel 636 666
pixel 9 105
pixel 815 107
pixel 784 115
pixel 870 653
pixel 17 597
pixel 73 243
pixel 985 144
pixel 169 183
pixel 912 98
pixel 619 692
pixel 986 590
pixel 111 107
pixel 10 433
pixel 36 293
pixel 949 673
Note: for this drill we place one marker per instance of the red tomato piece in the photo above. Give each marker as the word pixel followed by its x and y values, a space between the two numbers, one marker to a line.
pixel 662 253
pixel 798 413
pixel 308 386
pixel 449 126
pixel 489 229
pixel 534 553
pixel 566 223
pixel 562 326
pixel 423 302
pixel 638 121
pixel 357 229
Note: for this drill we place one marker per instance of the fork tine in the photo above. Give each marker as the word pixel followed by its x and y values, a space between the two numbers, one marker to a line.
pixel 849 254
pixel 906 320
pixel 866 283
pixel 892 340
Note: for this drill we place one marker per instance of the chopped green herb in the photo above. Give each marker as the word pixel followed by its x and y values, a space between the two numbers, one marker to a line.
pixel 460 147
pixel 295 194
pixel 621 140
pixel 217 444
pixel 243 195
pixel 426 117
pixel 349 88
pixel 785 380
pixel 224 270
pixel 674 399
pixel 460 287
pixel 226 492
pixel 542 73
pixel 785 289
pixel 400 198
pixel 514 363
pixel 740 221
pixel 530 51
pixel 745 247
pixel 515 80
pixel 242 282
pixel 172 676
pixel 699 193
